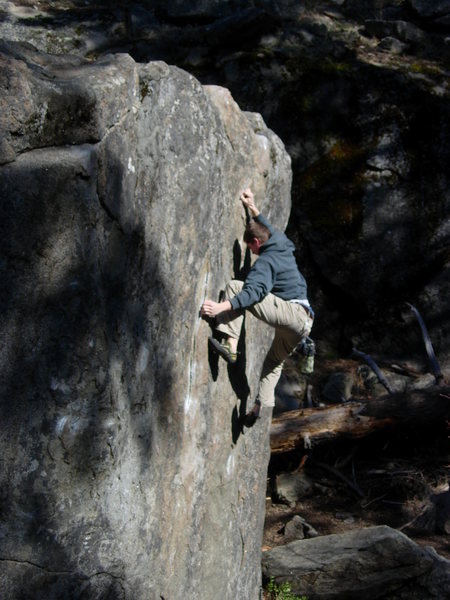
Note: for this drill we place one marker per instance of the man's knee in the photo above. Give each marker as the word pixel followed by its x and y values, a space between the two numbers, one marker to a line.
pixel 233 288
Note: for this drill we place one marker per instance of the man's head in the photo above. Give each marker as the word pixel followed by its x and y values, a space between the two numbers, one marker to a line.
pixel 255 235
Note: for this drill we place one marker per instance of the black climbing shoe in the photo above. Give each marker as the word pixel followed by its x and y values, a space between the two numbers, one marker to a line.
pixel 251 417
pixel 223 349
pixel 249 420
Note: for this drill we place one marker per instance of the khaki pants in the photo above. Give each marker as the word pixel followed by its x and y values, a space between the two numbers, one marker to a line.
pixel 291 321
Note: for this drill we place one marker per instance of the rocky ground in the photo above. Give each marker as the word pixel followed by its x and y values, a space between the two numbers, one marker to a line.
pixel 397 491
pixel 400 479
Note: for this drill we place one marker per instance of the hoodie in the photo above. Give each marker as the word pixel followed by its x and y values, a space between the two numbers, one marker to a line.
pixel 275 271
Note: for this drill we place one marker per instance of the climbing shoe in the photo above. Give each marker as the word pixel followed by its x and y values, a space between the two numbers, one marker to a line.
pixel 251 417
pixel 223 348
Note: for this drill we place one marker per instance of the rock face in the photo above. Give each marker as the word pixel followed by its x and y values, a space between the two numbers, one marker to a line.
pixel 358 92
pixel 124 472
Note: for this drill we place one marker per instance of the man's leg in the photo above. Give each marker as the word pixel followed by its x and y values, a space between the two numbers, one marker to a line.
pixel 283 344
pixel 282 314
pixel 230 323
pixel 292 323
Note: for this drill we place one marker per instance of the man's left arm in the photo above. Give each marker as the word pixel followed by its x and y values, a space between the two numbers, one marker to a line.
pixel 258 283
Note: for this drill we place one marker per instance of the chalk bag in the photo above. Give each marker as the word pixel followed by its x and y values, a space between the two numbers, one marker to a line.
pixel 306 351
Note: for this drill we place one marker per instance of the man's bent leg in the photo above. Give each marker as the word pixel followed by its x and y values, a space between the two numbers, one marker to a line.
pixel 282 314
pixel 230 323
pixel 283 344
pixel 291 323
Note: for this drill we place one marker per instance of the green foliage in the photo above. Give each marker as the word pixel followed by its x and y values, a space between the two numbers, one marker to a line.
pixel 281 592
pixel 425 68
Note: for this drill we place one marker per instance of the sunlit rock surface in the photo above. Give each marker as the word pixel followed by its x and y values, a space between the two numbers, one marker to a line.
pixel 124 471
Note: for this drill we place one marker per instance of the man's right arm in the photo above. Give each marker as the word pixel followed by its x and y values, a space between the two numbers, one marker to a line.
pixel 262 219
pixel 248 200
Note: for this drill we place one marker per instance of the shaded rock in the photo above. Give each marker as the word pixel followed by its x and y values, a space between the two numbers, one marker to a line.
pixel 242 28
pixel 195 9
pixel 377 562
pixel 289 392
pixel 51 101
pixel 125 473
pixel 66 27
pixel 392 45
pixel 442 503
pixel 421 516
pixel 371 381
pixel 431 8
pixel 402 30
pixel 291 487
pixel 338 387
pixel 436 583
pixel 345 516
pixel 421 383
pixel 298 529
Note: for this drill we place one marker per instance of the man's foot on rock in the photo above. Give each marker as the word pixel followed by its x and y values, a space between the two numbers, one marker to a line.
pixel 224 349
pixel 251 417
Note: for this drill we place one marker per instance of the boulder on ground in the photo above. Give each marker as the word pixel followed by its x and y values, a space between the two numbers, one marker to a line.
pixel 377 562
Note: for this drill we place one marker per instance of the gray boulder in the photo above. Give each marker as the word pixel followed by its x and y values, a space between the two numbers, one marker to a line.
pixel 57 101
pixel 338 387
pixel 442 502
pixel 377 562
pixel 403 30
pixel 298 529
pixel 292 487
pixel 431 8
pixel 125 473
pixel 392 45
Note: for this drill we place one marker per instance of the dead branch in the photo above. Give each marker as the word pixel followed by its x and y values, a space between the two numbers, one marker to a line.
pixel 435 368
pixel 373 365
pixel 353 486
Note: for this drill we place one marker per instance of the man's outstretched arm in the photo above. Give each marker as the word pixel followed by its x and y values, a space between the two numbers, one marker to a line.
pixel 248 200
pixel 209 307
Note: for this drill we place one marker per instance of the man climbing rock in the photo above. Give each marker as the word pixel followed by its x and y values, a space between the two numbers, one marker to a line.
pixel 275 292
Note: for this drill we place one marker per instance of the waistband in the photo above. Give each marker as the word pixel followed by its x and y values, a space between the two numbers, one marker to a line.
pixel 306 305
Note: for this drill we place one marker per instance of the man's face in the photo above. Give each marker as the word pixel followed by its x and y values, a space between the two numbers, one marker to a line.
pixel 254 245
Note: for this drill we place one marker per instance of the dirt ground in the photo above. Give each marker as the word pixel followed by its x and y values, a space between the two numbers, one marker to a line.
pixel 398 477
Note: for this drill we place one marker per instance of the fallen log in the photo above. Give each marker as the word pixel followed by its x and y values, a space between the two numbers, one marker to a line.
pixel 306 427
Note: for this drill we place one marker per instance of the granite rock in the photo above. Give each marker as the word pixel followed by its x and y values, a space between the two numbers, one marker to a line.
pixel 125 471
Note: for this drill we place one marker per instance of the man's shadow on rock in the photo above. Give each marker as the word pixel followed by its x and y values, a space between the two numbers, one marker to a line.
pixel 239 383
pixel 236 371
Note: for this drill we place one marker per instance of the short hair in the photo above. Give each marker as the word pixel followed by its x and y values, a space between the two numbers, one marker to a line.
pixel 255 229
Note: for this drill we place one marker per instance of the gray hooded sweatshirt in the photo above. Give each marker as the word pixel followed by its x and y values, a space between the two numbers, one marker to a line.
pixel 275 271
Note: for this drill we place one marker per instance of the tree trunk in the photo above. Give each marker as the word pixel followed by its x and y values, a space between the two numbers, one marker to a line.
pixel 307 426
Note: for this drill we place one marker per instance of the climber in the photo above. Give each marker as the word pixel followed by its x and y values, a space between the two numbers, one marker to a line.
pixel 275 292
